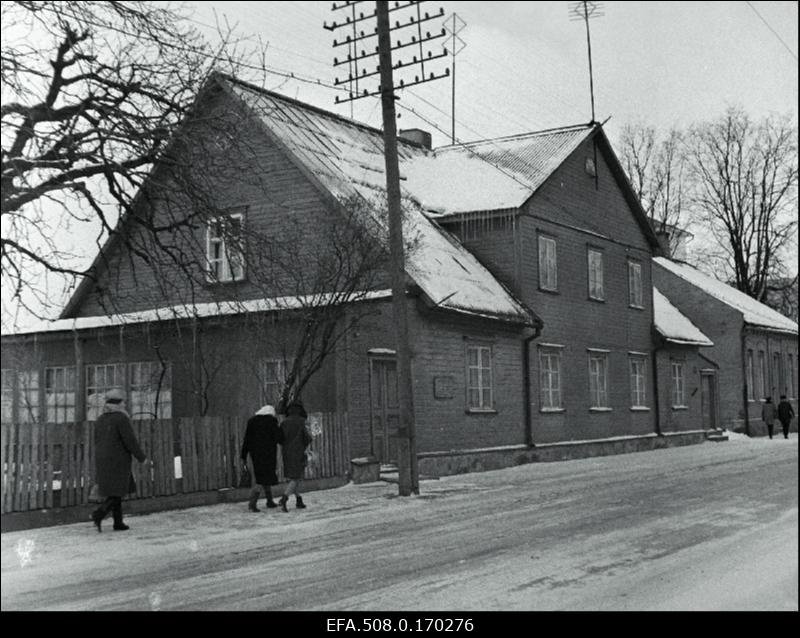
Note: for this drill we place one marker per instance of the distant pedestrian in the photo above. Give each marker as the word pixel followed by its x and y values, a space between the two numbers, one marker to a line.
pixel 114 444
pixel 261 439
pixel 296 439
pixel 768 414
pixel 785 415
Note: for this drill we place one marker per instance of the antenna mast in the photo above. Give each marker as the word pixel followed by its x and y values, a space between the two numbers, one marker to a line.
pixel 586 10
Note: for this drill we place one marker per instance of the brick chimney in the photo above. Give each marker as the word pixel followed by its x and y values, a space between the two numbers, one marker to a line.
pixel 416 136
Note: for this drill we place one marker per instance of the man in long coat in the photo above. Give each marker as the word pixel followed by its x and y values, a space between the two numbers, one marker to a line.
pixel 296 439
pixel 114 444
pixel 261 439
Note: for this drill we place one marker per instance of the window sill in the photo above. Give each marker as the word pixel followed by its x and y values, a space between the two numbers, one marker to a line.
pixel 595 299
pixel 226 282
pixel 549 291
pixel 639 408
pixel 680 407
pixel 481 411
pixel 601 409
pixel 552 410
pixel 632 307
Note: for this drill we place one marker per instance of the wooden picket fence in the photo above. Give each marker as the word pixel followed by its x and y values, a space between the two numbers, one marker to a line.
pixel 49 465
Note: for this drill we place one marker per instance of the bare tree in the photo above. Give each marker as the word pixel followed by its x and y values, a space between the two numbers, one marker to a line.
pixel 744 188
pixel 655 168
pixel 92 94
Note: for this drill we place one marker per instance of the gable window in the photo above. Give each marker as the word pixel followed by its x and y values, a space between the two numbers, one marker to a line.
pixel 638 365
pixel 550 378
pixel 548 267
pixel 479 378
pixel 59 394
pixel 751 388
pixel 273 377
pixel 762 374
pixel 678 385
pixel 635 298
pixel 150 390
pixel 225 248
pixel 596 275
pixel 598 380
pixel 99 380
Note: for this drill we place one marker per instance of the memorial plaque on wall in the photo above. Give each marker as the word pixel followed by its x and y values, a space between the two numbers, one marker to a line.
pixel 443 387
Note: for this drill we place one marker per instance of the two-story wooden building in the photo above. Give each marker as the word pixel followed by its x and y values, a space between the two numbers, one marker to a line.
pixel 529 294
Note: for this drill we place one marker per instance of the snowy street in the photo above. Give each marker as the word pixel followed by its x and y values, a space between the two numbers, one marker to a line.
pixel 711 526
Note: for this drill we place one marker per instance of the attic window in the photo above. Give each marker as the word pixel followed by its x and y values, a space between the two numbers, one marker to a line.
pixel 589 167
pixel 225 248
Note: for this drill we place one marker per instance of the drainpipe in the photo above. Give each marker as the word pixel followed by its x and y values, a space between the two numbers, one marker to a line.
pixel 656 403
pixel 745 391
pixel 526 384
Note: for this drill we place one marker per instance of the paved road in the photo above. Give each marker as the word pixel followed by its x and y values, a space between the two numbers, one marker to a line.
pixel 711 526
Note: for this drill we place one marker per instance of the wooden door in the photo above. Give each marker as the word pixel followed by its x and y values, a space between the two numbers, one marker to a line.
pixel 708 401
pixel 384 408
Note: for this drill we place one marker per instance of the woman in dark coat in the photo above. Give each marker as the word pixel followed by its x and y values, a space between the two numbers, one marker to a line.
pixel 114 444
pixel 261 439
pixel 295 441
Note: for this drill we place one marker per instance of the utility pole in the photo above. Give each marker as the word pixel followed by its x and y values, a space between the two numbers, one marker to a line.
pixel 586 10
pixel 454 24
pixel 406 434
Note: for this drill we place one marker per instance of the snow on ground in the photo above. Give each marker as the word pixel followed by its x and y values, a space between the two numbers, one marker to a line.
pixel 637 549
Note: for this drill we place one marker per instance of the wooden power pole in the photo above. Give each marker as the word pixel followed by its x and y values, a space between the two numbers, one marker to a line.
pixel 406 435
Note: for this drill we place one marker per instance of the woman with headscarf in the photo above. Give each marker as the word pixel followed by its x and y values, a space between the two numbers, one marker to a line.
pixel 261 439
pixel 296 439
pixel 114 444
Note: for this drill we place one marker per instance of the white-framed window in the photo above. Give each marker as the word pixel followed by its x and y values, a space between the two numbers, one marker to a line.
pixel 638 368
pixel 751 385
pixel 791 389
pixel 273 377
pixel 550 378
pixel 598 380
pixel 635 298
pixel 678 385
pixel 479 377
pixel 150 390
pixel 28 409
pixel 762 373
pixel 548 263
pixel 595 259
pixel 225 248
pixel 777 377
pixel 59 394
pixel 99 380
pixel 8 396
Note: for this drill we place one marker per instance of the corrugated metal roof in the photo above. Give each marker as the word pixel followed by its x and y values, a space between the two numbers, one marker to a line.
pixel 753 312
pixel 346 158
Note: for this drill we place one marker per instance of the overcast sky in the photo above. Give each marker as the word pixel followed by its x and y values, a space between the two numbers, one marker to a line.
pixel 525 64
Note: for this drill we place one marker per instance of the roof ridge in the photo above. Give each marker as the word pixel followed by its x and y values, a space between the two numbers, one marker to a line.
pixel 518 136
pixel 310 107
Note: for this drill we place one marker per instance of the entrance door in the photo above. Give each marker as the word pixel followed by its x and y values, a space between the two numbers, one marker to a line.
pixel 384 408
pixel 708 400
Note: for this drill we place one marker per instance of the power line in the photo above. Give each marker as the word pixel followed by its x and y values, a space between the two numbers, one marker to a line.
pixel 780 39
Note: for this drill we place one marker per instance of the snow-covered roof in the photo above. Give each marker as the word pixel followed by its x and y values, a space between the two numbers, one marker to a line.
pixel 753 312
pixel 188 311
pixel 346 159
pixel 673 325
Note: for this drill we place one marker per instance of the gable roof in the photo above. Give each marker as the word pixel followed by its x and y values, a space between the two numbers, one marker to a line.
pixel 344 158
pixel 753 312
pixel 673 325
